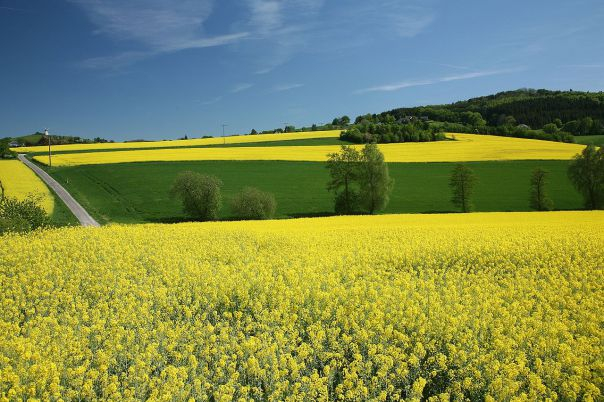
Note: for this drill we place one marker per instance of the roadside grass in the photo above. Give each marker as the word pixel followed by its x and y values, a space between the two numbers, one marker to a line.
pixel 138 192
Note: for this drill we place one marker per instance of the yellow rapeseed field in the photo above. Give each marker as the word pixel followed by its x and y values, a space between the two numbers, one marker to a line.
pixel 485 306
pixel 467 147
pixel 236 139
pixel 19 182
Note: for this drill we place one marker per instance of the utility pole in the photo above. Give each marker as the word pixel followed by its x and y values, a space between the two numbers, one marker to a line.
pixel 223 137
pixel 49 156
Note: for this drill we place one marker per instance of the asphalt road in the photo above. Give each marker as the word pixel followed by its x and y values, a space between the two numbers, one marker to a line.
pixel 77 210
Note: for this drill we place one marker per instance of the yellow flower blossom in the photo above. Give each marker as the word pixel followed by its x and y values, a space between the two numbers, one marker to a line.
pixel 467 147
pixel 484 306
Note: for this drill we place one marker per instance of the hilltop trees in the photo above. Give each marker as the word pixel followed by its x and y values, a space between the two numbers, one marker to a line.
pixel 586 172
pixel 539 199
pixel 360 180
pixel 462 184
pixel 199 194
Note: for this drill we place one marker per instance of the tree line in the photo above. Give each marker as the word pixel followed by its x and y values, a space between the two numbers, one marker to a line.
pixel 361 183
pixel 527 113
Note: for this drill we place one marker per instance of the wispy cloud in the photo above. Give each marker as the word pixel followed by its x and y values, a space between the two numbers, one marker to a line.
pixel 286 87
pixel 415 83
pixel 241 87
pixel 211 101
pixel 153 26
pixel 287 28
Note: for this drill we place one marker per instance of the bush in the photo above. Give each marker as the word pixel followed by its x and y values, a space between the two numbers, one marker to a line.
pixel 199 194
pixel 22 215
pixel 252 203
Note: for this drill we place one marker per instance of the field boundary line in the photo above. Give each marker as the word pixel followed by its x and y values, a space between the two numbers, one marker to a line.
pixel 76 209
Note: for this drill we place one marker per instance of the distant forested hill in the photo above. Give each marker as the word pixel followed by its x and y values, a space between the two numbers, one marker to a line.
pixel 574 112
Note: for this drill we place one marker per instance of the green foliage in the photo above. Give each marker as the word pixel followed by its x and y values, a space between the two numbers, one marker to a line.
pixel 533 107
pixel 462 183
pixel 21 215
pixel 200 195
pixel 539 200
pixel 251 203
pixel 344 172
pixel 389 132
pixel 587 174
pixel 341 121
pixel 374 179
pixel 39 138
pixel 473 119
pixel 5 152
pixel 550 128
pixel 573 113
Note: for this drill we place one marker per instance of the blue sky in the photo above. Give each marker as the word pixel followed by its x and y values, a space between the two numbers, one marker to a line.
pixel 154 69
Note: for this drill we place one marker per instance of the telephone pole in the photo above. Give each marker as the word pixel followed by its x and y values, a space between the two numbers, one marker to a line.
pixel 49 156
pixel 223 137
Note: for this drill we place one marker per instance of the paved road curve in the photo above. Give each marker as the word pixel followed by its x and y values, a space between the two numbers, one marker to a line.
pixel 79 212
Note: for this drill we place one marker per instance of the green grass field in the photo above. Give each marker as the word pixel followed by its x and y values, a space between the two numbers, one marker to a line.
pixel 138 192
pixel 590 139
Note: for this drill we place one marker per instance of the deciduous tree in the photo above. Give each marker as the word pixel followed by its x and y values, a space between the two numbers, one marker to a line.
pixel 539 199
pixel 462 184
pixel 586 172
pixel 374 179
pixel 199 194
pixel 344 171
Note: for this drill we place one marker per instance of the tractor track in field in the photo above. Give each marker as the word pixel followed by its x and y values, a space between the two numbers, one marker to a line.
pixel 76 209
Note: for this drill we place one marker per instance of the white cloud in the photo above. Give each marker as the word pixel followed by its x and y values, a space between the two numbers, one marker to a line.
pixel 241 87
pixel 415 83
pixel 286 87
pixel 154 26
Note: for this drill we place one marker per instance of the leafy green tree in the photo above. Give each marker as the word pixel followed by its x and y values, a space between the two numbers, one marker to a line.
pixel 253 132
pixel 462 184
pixel 344 120
pixel 251 203
pixel 200 195
pixel 550 128
pixel 374 179
pixel 473 119
pixel 539 199
pixel 586 171
pixel 5 151
pixel 344 171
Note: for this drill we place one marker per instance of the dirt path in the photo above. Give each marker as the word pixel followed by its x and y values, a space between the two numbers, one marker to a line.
pixel 80 213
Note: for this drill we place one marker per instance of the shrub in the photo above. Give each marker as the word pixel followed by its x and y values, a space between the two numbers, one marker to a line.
pixel 199 194
pixel 252 203
pixel 22 215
